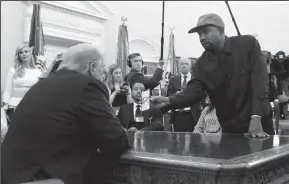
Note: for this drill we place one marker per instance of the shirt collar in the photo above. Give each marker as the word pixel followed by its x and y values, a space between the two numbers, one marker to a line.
pixel 135 105
pixel 188 75
pixel 227 45
pixel 133 70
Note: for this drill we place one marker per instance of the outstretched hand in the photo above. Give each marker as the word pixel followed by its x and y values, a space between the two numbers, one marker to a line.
pixel 159 101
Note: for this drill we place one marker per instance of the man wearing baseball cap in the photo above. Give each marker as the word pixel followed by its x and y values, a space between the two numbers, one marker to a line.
pixel 232 72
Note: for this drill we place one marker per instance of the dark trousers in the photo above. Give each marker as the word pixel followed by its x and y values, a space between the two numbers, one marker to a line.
pixel 99 168
pixel 183 121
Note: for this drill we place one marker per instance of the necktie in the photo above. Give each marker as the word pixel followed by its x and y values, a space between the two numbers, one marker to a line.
pixel 184 85
pixel 138 111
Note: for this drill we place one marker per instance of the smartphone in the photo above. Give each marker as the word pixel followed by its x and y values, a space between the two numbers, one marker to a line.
pixel 124 84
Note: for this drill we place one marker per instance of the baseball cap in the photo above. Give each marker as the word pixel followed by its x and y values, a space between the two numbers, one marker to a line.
pixel 208 19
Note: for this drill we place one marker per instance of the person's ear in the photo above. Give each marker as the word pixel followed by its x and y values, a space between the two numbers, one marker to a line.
pixel 92 69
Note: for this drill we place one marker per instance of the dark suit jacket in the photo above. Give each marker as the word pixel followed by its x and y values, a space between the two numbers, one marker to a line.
pixel 126 114
pixel 58 126
pixel 149 83
pixel 173 87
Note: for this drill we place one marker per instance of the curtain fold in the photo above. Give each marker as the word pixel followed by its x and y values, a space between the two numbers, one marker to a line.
pixel 122 51
pixel 171 66
pixel 36 38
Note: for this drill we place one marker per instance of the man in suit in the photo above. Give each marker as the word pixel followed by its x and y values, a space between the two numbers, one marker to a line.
pixel 135 62
pixel 61 123
pixel 183 120
pixel 133 117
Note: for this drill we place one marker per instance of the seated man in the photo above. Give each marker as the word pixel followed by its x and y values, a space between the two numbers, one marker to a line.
pixel 61 122
pixel 131 115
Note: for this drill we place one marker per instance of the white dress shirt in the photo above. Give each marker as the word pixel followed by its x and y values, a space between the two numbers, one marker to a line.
pixel 189 75
pixel 135 107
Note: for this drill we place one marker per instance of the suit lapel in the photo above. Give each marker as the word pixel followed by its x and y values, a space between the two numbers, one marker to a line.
pixel 178 82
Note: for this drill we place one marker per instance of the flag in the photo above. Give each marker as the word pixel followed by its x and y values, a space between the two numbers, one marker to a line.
pixel 122 51
pixel 36 38
pixel 170 67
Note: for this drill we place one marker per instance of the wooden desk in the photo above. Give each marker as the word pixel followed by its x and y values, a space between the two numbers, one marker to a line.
pixel 284 127
pixel 188 158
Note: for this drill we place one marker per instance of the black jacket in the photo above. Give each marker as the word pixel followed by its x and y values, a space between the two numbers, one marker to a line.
pixel 236 81
pixel 126 115
pixel 58 126
pixel 149 83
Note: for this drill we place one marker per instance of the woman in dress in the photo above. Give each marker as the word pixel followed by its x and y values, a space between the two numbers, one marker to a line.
pixel 20 78
pixel 120 93
pixel 208 121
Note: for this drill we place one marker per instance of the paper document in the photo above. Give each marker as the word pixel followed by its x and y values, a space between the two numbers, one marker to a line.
pixel 145 100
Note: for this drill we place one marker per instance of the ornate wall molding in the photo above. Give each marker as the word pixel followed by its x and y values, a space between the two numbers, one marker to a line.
pixel 102 8
pixel 145 47
pixel 54 5
pixel 72 29
pixel 83 24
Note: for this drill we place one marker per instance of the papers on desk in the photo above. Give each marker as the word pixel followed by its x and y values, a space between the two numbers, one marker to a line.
pixel 157 91
pixel 145 100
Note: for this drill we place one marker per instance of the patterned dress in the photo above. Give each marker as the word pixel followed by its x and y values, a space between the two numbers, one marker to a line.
pixel 208 122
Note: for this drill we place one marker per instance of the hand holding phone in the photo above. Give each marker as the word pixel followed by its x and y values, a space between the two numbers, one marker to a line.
pixel 125 86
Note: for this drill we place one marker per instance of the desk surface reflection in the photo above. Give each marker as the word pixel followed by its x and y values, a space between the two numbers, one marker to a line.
pixel 210 148
pixel 187 158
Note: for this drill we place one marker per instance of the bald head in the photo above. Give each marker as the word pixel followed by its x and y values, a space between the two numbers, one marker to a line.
pixel 83 58
pixel 185 65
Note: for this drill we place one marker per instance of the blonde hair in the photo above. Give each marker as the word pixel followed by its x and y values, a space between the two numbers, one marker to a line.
pixel 110 81
pixel 18 64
